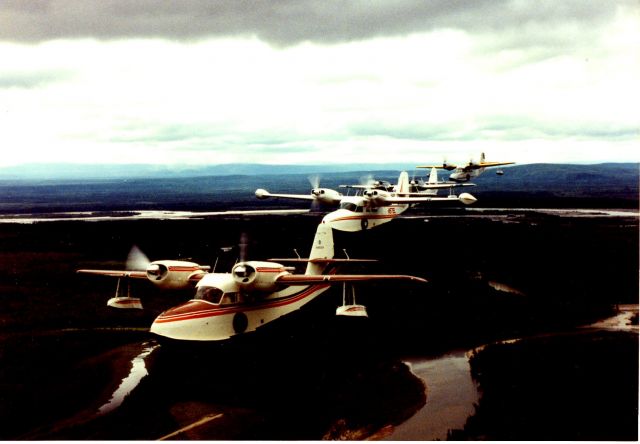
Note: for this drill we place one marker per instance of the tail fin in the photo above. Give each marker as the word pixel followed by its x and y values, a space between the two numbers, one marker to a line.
pixel 322 248
pixel 433 176
pixel 482 158
pixel 403 183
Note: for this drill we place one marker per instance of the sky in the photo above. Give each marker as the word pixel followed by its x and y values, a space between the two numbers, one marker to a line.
pixel 315 82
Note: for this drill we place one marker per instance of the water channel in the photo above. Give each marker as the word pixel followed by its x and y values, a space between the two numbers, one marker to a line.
pixel 452 392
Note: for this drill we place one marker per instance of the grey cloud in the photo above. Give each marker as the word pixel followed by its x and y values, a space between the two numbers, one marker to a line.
pixel 32 79
pixel 511 128
pixel 289 22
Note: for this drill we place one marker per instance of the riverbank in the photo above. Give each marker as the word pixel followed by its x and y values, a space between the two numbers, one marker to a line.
pixel 454 395
pixel 580 385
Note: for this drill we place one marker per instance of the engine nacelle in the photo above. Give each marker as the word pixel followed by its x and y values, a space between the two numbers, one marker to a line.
pixel 174 275
pixel 326 196
pixel 377 197
pixel 258 276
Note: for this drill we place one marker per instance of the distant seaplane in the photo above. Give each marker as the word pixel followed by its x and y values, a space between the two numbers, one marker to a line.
pixel 377 202
pixel 254 294
pixel 470 170
pixel 375 207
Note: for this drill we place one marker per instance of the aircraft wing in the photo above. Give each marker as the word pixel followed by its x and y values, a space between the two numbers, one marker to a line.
pixel 493 164
pixel 442 167
pixel 263 194
pixel 412 200
pixel 195 277
pixel 437 186
pixel 477 166
pixel 304 279
pixel 117 273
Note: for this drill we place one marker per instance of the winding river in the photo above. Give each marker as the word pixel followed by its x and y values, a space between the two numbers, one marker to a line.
pixel 452 393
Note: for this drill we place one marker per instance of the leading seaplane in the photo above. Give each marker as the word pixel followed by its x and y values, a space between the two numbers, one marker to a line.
pixel 254 294
pixel 470 170
pixel 377 203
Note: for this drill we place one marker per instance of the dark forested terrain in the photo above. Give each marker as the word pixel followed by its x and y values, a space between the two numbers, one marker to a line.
pixel 492 275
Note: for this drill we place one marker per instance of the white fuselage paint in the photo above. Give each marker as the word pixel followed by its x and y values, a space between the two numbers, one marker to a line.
pixel 200 320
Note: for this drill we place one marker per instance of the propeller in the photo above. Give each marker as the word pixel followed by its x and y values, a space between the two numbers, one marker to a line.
pixel 243 245
pixel 137 260
pixel 367 180
pixel 314 180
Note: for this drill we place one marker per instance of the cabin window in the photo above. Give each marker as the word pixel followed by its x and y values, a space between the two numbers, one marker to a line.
pixel 209 294
pixel 348 206
pixel 359 209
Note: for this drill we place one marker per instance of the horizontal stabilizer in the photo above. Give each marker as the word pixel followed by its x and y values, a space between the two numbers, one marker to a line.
pixel 321 260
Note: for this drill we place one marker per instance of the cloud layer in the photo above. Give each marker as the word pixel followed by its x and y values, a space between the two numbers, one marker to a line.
pixel 308 82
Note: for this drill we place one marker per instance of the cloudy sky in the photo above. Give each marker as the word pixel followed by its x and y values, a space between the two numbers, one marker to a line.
pixel 308 81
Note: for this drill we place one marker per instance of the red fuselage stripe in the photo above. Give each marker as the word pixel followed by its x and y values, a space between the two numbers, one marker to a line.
pixel 178 268
pixel 389 216
pixel 222 311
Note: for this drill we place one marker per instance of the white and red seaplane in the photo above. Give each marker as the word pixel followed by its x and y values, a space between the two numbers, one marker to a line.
pixel 469 171
pixel 254 294
pixel 374 204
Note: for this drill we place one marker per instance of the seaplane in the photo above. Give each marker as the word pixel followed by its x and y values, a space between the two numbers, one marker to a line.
pixel 252 295
pixel 375 206
pixel 378 203
pixel 470 170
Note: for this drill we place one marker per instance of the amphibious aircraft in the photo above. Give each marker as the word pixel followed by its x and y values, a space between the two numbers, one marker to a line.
pixel 470 170
pixel 252 295
pixel 375 207
pixel 378 202
pixel 432 185
pixel 328 196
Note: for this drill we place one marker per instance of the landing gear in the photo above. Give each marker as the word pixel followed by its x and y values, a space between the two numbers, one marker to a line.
pixel 124 301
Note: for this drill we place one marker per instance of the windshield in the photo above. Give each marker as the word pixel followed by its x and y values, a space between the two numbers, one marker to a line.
pixel 348 206
pixel 210 294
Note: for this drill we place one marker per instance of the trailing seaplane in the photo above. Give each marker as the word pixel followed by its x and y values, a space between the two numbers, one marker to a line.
pixel 470 170
pixel 375 207
pixel 432 185
pixel 254 294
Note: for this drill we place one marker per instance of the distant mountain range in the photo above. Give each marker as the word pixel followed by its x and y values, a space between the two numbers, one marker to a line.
pixel 70 171
pixel 613 185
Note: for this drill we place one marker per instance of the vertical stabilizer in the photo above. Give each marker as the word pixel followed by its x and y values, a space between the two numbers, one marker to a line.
pixel 482 157
pixel 322 248
pixel 433 176
pixel 403 183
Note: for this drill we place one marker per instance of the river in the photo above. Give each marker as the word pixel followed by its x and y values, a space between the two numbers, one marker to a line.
pixel 452 392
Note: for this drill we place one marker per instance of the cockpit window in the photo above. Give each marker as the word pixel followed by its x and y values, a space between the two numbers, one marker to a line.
pixel 209 294
pixel 348 206
pixel 229 298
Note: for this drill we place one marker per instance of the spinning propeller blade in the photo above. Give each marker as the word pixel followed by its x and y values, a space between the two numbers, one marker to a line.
pixel 244 243
pixel 137 260
pixel 314 180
